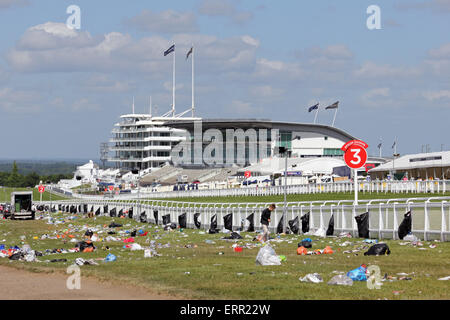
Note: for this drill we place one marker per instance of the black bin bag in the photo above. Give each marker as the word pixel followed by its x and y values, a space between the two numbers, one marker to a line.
pixel 182 220
pixel 330 229
pixel 280 225
pixel 196 222
pixel 363 225
pixel 113 212
pixel 251 222
pixel 405 226
pixel 213 225
pixel 294 225
pixel 143 217
pixel 130 213
pixel 166 219
pixel 378 250
pixel 155 215
pixel 228 221
pixel 120 213
pixel 305 223
pixel 92 209
pixel 105 209
pixel 97 212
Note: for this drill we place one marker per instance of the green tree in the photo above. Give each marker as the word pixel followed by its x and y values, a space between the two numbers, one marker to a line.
pixel 14 179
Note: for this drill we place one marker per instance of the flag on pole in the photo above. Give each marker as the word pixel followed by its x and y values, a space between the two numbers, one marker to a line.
pixel 395 142
pixel 333 106
pixel 379 145
pixel 189 52
pixel 171 49
pixel 314 107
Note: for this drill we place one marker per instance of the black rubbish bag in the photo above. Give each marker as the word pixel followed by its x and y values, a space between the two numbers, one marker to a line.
pixel 79 208
pixel 363 225
pixel 251 220
pixel 330 230
pixel 105 209
pixel 280 225
pixel 92 209
pixel 85 208
pixel 59 207
pixel 305 222
pixel 155 215
pixel 233 236
pixel 378 249
pixel 213 226
pixel 294 225
pixel 89 233
pixel 16 256
pixel 166 219
pixel 133 233
pixel 182 220
pixel 405 226
pixel 196 222
pixel 306 244
pixel 228 221
pixel 130 213
pixel 120 213
pixel 114 225
pixel 97 212
pixel 143 217
pixel 112 213
pixel 67 209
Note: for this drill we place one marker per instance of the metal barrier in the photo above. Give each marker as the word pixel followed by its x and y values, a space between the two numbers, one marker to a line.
pixel 430 216
pixel 430 186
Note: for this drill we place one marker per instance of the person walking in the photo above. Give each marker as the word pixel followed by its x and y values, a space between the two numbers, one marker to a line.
pixel 265 220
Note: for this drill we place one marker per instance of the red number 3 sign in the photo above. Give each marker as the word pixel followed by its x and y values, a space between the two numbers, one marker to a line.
pixel 355 155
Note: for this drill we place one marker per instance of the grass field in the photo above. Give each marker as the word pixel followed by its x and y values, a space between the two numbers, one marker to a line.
pixel 232 275
pixel 5 194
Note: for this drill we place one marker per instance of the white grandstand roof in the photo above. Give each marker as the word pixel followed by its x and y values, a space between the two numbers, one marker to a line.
pixel 416 161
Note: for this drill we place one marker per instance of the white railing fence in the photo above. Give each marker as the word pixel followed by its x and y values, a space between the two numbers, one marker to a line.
pixel 430 216
pixel 430 186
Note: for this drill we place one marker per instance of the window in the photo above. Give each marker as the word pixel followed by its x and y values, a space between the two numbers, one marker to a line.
pixel 326 138
pixel 332 152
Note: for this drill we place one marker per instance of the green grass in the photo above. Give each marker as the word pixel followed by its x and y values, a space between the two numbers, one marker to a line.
pixel 5 194
pixel 214 276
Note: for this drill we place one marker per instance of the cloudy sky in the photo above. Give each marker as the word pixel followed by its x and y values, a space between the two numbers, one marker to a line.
pixel 61 90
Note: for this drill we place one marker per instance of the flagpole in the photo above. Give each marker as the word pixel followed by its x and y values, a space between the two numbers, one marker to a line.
pixel 173 86
pixel 193 105
pixel 334 116
pixel 316 115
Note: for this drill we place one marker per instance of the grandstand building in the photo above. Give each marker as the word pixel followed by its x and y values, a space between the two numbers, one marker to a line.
pixel 141 141
pixel 301 140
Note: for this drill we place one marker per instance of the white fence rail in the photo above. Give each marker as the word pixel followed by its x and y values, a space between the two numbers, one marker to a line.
pixel 430 216
pixel 431 186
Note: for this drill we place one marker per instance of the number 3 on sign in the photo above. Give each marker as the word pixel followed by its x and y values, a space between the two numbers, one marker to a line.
pixel 356 156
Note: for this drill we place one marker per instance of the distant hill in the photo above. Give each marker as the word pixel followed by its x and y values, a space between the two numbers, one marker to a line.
pixel 40 167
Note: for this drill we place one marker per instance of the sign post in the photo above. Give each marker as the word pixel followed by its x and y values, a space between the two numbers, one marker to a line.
pixel 41 190
pixel 355 156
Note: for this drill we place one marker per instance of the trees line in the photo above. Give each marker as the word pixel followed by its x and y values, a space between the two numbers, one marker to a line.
pixel 16 180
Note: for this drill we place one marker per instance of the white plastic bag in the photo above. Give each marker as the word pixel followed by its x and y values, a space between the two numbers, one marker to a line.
pixel 341 279
pixel 136 246
pixel 311 277
pixel 267 256
pixel 321 232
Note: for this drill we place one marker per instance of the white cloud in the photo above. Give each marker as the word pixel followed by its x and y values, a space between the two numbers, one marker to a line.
pixel 242 108
pixel 10 3
pixel 19 101
pixel 224 8
pixel 437 95
pixel 168 21
pixel 266 91
pixel 371 70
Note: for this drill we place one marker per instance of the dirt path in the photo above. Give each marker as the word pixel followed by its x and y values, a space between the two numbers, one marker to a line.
pixel 19 284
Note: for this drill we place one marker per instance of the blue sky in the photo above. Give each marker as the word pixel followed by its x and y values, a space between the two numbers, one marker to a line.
pixel 62 90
